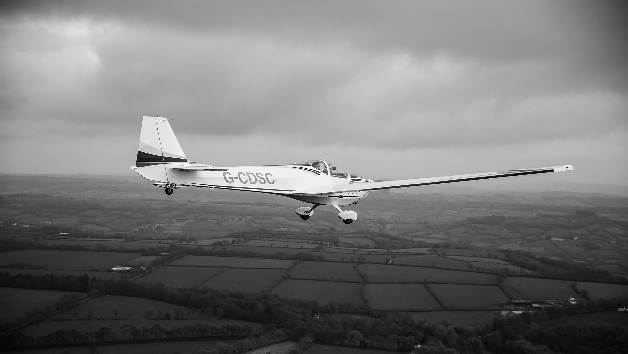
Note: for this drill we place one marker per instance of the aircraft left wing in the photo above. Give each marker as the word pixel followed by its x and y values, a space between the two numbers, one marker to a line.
pixel 366 186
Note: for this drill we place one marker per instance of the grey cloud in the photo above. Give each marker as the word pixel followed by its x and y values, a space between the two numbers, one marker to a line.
pixel 319 72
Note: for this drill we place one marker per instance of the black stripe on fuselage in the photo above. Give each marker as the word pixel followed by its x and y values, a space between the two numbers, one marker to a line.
pixel 145 159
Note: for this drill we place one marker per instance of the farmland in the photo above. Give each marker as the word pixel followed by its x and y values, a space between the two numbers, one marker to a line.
pixel 68 260
pixel 541 289
pixel 375 273
pixel 433 257
pixel 124 307
pixel 181 276
pixel 400 297
pixel 469 297
pixel 333 271
pixel 231 262
pixel 323 292
pixel 603 291
pixel 246 280
pixel 16 302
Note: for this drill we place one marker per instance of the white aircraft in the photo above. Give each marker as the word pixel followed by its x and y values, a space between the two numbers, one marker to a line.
pixel 161 159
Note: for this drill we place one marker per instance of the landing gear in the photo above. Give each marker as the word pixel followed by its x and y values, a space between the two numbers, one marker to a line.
pixel 347 216
pixel 170 188
pixel 305 212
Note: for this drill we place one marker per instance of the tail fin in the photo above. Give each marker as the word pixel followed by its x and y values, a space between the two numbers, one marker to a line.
pixel 158 144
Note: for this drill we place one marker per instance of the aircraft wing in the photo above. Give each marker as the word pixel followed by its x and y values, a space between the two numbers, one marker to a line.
pixel 366 186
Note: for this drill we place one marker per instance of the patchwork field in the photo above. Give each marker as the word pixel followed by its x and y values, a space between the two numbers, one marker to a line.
pixel 323 292
pixel 69 260
pixel 469 297
pixel 124 307
pixel 400 297
pixel 246 280
pixel 376 273
pixel 604 291
pixel 333 271
pixel 540 289
pixel 180 276
pixel 14 303
pixel 431 261
pixel 231 262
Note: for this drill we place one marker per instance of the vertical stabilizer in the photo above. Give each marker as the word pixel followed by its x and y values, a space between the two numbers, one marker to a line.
pixel 158 144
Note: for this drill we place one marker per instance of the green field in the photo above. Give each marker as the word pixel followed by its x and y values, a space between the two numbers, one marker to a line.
pixel 246 280
pixel 232 262
pixel 431 261
pixel 400 297
pixel 604 291
pixel 469 297
pixel 376 273
pixel 180 276
pixel 540 289
pixel 15 303
pixel 69 260
pixel 123 307
pixel 461 318
pixel 499 267
pixel 323 292
pixel 333 271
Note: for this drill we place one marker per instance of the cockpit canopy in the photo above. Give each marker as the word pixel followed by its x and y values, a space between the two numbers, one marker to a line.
pixel 327 168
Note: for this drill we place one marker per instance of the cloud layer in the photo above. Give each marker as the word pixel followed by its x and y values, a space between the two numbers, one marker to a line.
pixel 397 78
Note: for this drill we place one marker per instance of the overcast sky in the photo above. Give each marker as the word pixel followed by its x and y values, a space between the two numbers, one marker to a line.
pixel 384 89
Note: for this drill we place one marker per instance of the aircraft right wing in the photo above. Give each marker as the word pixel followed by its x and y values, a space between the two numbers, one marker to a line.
pixel 370 186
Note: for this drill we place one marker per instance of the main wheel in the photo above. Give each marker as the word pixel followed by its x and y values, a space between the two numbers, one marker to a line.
pixel 169 190
pixel 304 217
pixel 347 221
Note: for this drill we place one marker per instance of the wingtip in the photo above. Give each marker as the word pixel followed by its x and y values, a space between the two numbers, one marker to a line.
pixel 563 168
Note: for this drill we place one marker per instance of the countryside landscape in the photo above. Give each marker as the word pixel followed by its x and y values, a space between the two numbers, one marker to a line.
pixel 113 265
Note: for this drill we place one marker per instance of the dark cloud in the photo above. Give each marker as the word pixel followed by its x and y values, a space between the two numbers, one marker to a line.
pixel 391 75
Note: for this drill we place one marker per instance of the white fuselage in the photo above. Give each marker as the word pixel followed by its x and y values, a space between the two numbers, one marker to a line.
pixel 294 181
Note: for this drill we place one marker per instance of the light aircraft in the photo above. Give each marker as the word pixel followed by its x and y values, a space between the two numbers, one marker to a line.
pixel 161 159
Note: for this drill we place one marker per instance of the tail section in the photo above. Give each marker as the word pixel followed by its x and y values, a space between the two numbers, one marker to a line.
pixel 158 148
pixel 158 144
